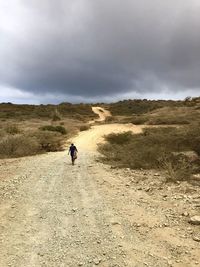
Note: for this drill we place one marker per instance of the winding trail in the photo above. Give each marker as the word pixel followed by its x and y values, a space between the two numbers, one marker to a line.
pixel 102 114
pixel 56 215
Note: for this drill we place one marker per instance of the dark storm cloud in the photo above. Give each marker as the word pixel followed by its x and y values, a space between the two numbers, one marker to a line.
pixel 91 49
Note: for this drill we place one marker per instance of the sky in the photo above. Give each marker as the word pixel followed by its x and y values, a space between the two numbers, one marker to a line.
pixel 54 51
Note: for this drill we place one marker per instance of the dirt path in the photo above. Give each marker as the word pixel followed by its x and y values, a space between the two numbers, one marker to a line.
pixel 55 214
pixel 102 113
pixel 88 140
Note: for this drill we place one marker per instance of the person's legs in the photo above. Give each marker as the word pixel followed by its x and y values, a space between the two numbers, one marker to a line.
pixel 72 157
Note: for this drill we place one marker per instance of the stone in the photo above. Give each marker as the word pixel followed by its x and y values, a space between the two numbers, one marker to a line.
pixel 97 261
pixel 116 223
pixel 147 189
pixel 195 220
pixel 196 238
pixel 74 209
pixel 165 225
pixel 40 254
pixel 186 214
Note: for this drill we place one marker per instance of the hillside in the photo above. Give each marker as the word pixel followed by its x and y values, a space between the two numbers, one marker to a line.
pixel 142 106
pixel 63 110
pixel 156 112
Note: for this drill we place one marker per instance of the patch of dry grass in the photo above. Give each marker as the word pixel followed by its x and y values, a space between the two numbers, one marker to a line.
pixel 28 130
pixel 154 149
pixel 51 128
pixel 157 112
pixel 84 127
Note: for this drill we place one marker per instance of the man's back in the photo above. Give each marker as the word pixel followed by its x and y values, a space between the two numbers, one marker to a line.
pixel 72 149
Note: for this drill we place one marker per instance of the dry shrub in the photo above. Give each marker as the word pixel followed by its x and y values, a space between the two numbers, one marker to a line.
pixel 177 167
pixel 168 120
pixel 120 138
pixel 18 146
pixel 139 120
pixel 110 119
pixel 136 106
pixel 12 129
pixel 58 128
pixel 49 141
pixel 56 117
pixel 84 127
pixel 154 149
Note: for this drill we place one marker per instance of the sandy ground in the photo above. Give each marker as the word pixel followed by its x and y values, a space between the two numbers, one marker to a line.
pixel 102 113
pixel 55 214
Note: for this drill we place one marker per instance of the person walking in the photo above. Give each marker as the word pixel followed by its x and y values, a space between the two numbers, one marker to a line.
pixel 73 153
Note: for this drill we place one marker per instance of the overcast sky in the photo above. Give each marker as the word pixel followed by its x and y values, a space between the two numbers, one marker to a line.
pixel 53 51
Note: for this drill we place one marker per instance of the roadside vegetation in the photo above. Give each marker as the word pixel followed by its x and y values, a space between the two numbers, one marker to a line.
pixel 84 127
pixel 29 130
pixel 175 150
pixel 17 142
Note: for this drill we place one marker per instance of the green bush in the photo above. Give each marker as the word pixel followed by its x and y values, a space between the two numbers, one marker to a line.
pixel 52 128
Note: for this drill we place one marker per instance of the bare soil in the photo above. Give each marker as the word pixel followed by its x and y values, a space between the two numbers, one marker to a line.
pixel 56 214
pixel 102 114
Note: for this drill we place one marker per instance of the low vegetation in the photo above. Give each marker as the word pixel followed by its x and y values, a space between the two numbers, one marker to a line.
pixel 19 144
pixel 33 129
pixel 156 148
pixel 80 112
pixel 12 129
pixel 157 112
pixel 84 127
pixel 143 106
pixel 57 128
pixel 139 106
